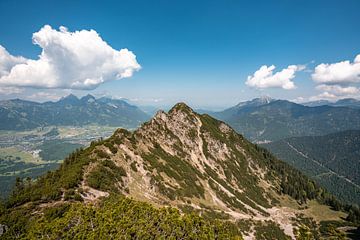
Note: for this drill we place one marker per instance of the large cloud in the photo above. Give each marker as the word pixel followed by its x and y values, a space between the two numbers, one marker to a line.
pixel 264 77
pixel 7 62
pixel 340 72
pixel 338 80
pixel 69 60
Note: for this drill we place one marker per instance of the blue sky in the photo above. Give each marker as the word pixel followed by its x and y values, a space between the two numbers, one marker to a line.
pixel 200 52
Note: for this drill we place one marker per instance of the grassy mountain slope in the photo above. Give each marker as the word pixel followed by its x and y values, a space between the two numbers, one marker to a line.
pixel 332 160
pixel 181 159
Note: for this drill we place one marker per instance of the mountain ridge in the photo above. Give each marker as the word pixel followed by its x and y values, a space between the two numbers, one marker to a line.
pixel 23 115
pixel 345 102
pixel 188 161
pixel 281 119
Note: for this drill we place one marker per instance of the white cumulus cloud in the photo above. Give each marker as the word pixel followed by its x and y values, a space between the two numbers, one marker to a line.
pixel 338 80
pixel 340 72
pixel 7 61
pixel 265 78
pixel 325 96
pixel 69 60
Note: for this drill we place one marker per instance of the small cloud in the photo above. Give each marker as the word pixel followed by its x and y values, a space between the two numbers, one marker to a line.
pixel 299 100
pixel 69 60
pixel 264 77
pixel 324 96
pixel 301 67
pixel 338 73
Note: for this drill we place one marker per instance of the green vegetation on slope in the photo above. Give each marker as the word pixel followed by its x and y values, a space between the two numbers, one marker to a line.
pixel 57 149
pixel 105 175
pixel 292 181
pixel 332 160
pixel 269 230
pixel 185 174
pixel 16 163
pixel 297 185
pixel 69 175
pixel 116 218
pixel 50 186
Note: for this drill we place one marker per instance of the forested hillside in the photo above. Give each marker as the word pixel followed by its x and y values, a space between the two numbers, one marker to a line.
pixel 332 160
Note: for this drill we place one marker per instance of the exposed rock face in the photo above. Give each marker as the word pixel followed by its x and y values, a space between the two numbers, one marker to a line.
pixel 3 229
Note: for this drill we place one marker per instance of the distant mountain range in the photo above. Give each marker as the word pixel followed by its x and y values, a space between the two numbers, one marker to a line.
pixel 332 160
pixel 346 102
pixel 266 119
pixel 19 114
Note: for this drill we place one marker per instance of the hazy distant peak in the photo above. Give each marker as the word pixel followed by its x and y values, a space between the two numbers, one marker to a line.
pixel 88 98
pixel 263 99
pixel 71 98
pixel 256 101
pixel 348 100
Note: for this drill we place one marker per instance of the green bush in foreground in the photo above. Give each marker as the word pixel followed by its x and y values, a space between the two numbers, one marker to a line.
pixel 120 218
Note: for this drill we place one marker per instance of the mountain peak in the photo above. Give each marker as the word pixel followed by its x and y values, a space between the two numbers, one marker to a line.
pixel 347 100
pixel 88 98
pixel 263 99
pixel 255 102
pixel 71 98
pixel 178 112
pixel 181 106
pixel 266 98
